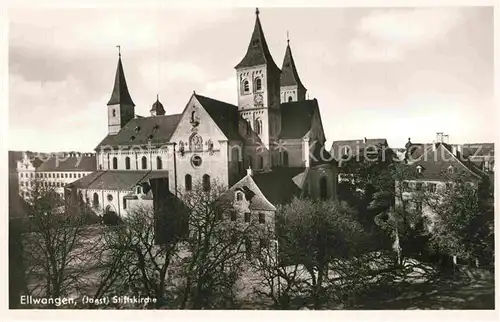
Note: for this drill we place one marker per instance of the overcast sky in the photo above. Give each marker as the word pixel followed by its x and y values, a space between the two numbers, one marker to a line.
pixel 377 73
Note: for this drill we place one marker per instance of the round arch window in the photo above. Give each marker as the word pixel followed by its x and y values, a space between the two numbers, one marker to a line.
pixel 110 197
pixel 196 161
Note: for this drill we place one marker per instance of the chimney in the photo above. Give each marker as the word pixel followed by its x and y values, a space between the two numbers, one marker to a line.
pixel 249 171
pixel 364 140
pixel 434 145
pixel 454 150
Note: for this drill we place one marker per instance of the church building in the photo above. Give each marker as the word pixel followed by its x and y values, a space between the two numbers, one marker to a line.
pixel 272 140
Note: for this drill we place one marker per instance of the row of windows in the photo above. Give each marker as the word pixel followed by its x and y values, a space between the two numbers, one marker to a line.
pixel 188 182
pixel 245 85
pixel 144 163
pixel 51 175
pixel 420 186
pixel 248 217
pixel 43 184
pixel 257 127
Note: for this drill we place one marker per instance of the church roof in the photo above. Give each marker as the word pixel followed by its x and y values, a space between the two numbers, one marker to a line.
pixel 258 52
pixel 279 185
pixel 296 118
pixel 225 115
pixel 120 94
pixel 140 131
pixel 289 74
pixel 116 180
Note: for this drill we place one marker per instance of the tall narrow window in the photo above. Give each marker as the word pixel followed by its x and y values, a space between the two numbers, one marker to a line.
pixel 262 218
pixel 246 86
pixel 95 200
pixel 114 112
pixel 290 98
pixel 258 126
pixel 188 182
pixel 247 217
pixel 323 188
pixel 115 163
pixel 144 163
pixel 124 203
pixel 258 84
pixel 159 163
pixel 248 127
pixel 261 162
pixel 206 182
pixel 127 163
pixel 284 156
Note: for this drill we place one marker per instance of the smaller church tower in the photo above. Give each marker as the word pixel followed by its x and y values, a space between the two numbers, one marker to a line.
pixel 292 89
pixel 157 108
pixel 120 106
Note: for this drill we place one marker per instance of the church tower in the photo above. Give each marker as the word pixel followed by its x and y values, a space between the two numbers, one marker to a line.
pixel 120 105
pixel 292 89
pixel 258 80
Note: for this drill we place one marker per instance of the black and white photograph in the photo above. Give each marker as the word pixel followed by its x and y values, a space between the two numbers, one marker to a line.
pixel 250 158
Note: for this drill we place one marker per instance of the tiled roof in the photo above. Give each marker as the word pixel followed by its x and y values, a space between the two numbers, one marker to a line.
pixel 279 186
pixel 289 74
pixel 296 118
pixel 435 164
pixel 478 149
pixel 257 199
pixel 225 115
pixel 58 162
pixel 116 180
pixel 139 131
pixel 120 94
pixel 258 52
pixel 355 146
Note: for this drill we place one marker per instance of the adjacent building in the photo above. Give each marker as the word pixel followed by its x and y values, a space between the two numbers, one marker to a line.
pixel 52 171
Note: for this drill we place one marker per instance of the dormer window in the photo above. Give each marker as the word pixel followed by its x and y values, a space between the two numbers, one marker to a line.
pixel 132 138
pixel 450 169
pixel 239 196
pixel 139 190
pixel 150 136
pixel 419 169
pixel 137 128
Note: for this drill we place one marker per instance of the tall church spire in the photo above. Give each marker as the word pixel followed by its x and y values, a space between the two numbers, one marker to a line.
pixel 292 88
pixel 258 52
pixel 120 94
pixel 120 105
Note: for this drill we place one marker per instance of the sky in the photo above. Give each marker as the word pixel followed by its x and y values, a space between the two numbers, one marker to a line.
pixel 376 72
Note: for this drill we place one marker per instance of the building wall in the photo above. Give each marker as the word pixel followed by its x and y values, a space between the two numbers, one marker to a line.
pixel 56 180
pixel 313 181
pixel 105 159
pixel 214 161
pixel 115 204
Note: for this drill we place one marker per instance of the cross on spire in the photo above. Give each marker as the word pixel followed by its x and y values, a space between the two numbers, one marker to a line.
pixel 257 11
pixel 287 37
pixel 119 51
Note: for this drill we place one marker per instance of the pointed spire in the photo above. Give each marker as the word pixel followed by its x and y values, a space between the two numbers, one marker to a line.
pixel 258 52
pixel 289 74
pixel 120 94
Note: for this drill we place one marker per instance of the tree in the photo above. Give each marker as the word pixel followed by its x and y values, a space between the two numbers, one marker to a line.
pixel 317 234
pixel 57 245
pixel 463 219
pixel 215 251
